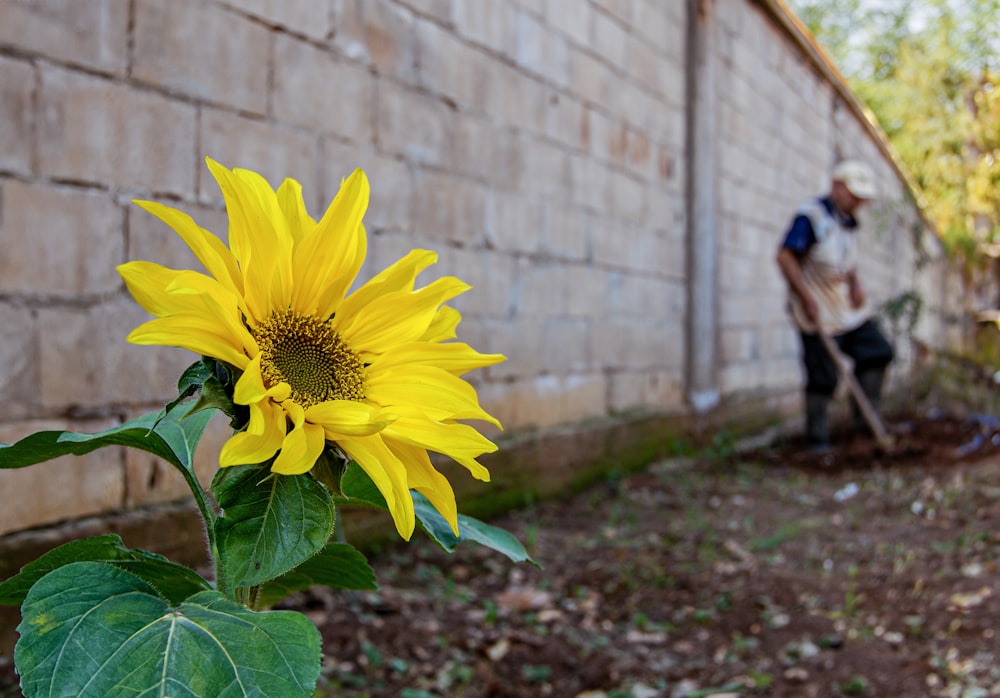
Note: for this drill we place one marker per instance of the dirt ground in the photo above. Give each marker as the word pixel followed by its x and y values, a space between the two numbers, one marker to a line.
pixel 766 573
pixel 717 573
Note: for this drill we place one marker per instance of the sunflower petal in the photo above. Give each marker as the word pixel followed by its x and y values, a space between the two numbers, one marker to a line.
pixel 250 387
pixel 425 479
pixel 395 278
pixel 261 440
pixel 455 440
pixel 300 449
pixel 444 326
pixel 396 318
pixel 209 249
pixel 454 357
pixel 292 205
pixel 328 258
pixel 435 392
pixel 348 418
pixel 194 333
pixel 388 474
pixel 252 236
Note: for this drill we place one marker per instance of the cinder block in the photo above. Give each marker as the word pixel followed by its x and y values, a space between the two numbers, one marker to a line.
pixel 568 121
pixel 514 222
pixel 619 9
pixel 451 67
pixel 59 240
pixel 202 50
pixel 628 197
pixel 93 130
pixel 571 18
pixel 448 209
pixel 378 33
pixel 566 346
pixel 659 26
pixel 490 274
pixel 316 91
pixel 592 79
pixel 546 170
pixel 439 10
pixel 610 39
pixel 306 17
pixel 415 126
pixel 18 363
pixel 275 151
pixel 565 232
pixel 488 150
pixel 587 289
pixel 17 115
pixel 645 390
pixel 590 184
pixel 91 34
pixel 486 22
pixel 105 370
pixel 549 401
pixel 61 489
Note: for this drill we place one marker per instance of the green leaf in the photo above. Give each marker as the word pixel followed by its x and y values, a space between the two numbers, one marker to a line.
pixel 330 469
pixel 270 523
pixel 337 565
pixel 115 636
pixel 470 529
pixel 358 488
pixel 174 582
pixel 173 438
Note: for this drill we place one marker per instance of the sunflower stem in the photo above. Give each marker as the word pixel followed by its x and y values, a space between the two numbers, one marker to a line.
pixel 208 517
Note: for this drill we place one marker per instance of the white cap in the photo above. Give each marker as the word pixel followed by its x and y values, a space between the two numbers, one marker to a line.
pixel 858 177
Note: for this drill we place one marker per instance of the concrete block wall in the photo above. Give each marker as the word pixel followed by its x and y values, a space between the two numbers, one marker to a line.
pixel 540 146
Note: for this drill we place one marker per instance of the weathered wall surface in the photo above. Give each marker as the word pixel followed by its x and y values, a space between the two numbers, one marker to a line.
pixel 542 148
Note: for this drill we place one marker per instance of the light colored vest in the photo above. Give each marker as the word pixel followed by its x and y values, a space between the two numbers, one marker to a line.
pixel 824 269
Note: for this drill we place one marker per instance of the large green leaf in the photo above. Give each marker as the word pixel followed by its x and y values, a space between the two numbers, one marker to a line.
pixel 337 565
pixel 270 523
pixel 173 437
pixel 114 636
pixel 358 489
pixel 174 582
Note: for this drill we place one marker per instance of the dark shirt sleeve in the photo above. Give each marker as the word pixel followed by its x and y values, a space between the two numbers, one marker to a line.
pixel 800 236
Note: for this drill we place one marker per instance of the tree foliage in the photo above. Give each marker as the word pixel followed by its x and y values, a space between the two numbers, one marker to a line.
pixel 929 72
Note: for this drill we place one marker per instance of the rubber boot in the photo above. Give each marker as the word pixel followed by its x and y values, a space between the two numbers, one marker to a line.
pixel 870 381
pixel 817 423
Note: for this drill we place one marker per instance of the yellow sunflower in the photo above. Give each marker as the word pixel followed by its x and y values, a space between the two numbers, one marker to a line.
pixel 371 371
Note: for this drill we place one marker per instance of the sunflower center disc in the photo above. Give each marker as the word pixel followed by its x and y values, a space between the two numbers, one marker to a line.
pixel 311 357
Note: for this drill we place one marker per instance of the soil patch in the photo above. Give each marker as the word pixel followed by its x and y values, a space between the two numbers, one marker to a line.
pixel 726 573
pixel 768 573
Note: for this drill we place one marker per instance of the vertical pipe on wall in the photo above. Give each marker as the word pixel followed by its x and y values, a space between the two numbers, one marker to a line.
pixel 702 365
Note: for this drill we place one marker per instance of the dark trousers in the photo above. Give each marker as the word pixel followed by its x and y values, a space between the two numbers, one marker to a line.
pixel 866 345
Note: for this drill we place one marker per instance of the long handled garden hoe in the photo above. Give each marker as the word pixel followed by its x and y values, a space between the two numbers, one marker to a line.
pixel 884 438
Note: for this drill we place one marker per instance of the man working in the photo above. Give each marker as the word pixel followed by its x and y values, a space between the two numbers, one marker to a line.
pixel 819 258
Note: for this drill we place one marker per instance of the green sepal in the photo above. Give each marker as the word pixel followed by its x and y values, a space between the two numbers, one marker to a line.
pixel 172 581
pixel 270 524
pixel 116 636
pixel 337 565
